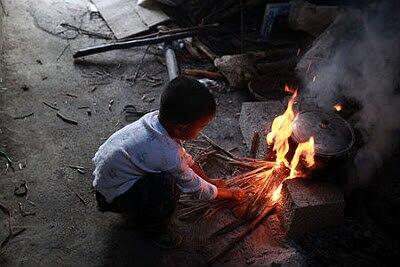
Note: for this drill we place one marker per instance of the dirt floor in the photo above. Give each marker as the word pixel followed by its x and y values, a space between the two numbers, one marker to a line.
pixel 66 229
pixel 37 68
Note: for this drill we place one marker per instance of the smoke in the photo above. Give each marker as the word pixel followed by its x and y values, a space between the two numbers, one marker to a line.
pixel 363 65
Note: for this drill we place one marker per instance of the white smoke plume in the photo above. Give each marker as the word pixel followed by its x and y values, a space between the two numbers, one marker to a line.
pixel 363 65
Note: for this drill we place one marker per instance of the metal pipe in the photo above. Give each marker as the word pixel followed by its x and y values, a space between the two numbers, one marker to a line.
pixel 171 62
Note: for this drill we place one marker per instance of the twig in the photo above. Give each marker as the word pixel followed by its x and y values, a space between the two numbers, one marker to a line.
pixel 255 142
pixel 86 32
pixel 66 119
pixel 62 52
pixel 9 161
pixel 140 64
pixel 217 147
pixel 76 167
pixel 23 116
pixel 81 199
pixel 207 51
pixel 71 95
pixel 51 106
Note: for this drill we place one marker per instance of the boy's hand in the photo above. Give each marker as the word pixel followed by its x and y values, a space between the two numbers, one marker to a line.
pixel 237 194
pixel 234 194
pixel 218 182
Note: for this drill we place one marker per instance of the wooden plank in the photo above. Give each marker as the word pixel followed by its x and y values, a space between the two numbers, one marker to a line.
pixel 121 17
pixel 125 18
pixel 151 15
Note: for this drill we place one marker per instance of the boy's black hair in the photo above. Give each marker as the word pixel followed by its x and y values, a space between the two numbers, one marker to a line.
pixel 185 101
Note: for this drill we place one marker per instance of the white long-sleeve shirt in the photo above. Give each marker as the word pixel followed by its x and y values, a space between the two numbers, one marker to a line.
pixel 140 148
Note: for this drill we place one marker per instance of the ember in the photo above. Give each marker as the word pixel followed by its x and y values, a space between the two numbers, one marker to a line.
pixel 338 107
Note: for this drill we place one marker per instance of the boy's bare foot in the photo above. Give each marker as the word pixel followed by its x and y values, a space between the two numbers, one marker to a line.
pixel 168 240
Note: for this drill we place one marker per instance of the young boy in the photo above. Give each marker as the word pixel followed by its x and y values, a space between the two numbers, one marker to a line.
pixel 142 168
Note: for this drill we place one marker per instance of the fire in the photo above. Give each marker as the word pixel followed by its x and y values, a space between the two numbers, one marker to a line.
pixel 305 149
pixel 281 130
pixel 338 107
pixel 289 89
pixel 276 195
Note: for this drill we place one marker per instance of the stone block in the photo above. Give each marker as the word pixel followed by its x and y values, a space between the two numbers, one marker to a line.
pixel 258 117
pixel 308 205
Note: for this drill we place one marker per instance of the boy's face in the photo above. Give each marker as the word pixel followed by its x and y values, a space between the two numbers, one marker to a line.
pixel 191 131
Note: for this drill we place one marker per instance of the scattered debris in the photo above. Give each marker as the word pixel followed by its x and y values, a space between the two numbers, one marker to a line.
pixel 93 89
pixel 38 61
pixel 23 116
pixel 131 110
pixel 81 199
pixel 71 95
pixel 51 106
pixel 147 99
pixel 66 119
pixel 9 161
pixel 110 104
pixel 76 167
pixel 21 190
pixel 23 212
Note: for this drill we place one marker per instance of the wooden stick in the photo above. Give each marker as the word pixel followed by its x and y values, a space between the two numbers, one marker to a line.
pixel 51 106
pixel 207 51
pixel 203 74
pixel 66 119
pixel 217 147
pixel 255 142
pixel 23 116
pixel 252 226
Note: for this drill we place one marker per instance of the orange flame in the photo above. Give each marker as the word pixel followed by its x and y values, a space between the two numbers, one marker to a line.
pixel 290 90
pixel 276 195
pixel 281 130
pixel 338 107
pixel 305 149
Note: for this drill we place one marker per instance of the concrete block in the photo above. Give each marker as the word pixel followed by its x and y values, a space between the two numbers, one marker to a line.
pixel 258 117
pixel 308 205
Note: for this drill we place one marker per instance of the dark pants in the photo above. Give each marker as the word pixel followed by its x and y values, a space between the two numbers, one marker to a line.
pixel 150 201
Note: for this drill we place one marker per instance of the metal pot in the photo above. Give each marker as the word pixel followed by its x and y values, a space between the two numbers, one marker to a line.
pixel 333 137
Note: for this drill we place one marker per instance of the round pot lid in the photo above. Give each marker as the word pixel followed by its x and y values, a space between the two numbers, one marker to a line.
pixel 333 136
